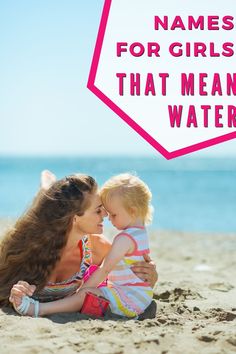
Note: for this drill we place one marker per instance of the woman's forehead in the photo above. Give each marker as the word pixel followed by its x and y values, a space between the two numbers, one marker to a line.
pixel 96 200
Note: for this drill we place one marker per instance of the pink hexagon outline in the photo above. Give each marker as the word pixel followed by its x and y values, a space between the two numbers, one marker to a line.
pixel 91 86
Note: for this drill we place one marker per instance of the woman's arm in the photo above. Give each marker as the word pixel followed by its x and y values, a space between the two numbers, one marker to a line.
pixel 146 270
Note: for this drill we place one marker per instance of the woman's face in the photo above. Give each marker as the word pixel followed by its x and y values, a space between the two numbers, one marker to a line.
pixel 92 220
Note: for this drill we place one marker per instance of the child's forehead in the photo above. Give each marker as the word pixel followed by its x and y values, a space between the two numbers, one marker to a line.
pixel 114 201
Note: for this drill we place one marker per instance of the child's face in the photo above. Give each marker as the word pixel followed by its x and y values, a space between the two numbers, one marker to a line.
pixel 118 216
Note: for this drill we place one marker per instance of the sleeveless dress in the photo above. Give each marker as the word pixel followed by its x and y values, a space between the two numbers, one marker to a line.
pixel 128 295
pixel 59 290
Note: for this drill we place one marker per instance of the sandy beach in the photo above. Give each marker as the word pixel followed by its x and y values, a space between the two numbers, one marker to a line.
pixel 196 307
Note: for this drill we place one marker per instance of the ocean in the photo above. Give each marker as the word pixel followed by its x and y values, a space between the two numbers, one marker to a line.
pixel 189 194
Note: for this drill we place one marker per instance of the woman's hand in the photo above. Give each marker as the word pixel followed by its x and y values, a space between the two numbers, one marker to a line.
pixel 20 289
pixel 146 270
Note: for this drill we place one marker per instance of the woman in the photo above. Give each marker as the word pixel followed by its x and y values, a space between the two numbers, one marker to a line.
pixel 52 245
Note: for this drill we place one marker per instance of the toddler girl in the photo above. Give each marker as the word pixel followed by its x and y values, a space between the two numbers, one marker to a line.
pixel 127 200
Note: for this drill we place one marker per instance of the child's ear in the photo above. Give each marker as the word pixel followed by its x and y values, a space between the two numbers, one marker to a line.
pixel 133 211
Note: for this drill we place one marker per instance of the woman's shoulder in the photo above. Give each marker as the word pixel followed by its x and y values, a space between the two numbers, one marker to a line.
pixel 98 240
pixel 100 246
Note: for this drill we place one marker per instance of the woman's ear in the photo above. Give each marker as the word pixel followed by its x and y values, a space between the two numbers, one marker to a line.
pixel 75 219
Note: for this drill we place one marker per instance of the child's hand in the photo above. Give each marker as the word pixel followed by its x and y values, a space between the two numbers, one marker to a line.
pixel 146 270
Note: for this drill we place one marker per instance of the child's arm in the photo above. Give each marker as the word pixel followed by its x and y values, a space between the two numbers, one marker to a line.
pixel 119 248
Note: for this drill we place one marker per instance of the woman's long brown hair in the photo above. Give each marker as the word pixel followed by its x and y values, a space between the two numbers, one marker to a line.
pixel 30 250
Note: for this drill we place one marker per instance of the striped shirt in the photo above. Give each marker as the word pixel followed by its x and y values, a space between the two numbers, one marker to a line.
pixel 129 295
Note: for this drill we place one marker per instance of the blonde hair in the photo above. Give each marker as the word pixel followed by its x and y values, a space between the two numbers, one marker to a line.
pixel 134 193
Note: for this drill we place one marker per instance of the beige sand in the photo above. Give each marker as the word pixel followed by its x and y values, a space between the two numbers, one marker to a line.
pixel 196 301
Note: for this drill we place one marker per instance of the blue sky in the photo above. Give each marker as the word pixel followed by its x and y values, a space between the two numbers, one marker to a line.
pixel 45 107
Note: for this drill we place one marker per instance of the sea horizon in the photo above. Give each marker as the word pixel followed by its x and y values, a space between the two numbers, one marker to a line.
pixel 195 194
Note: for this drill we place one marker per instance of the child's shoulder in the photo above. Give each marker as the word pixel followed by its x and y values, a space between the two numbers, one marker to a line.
pixel 134 230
